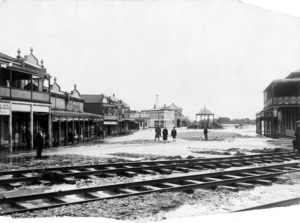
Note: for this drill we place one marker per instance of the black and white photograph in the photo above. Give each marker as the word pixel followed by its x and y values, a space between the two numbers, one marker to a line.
pixel 149 110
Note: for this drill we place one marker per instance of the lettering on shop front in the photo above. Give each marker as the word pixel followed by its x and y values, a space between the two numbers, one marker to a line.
pixel 4 109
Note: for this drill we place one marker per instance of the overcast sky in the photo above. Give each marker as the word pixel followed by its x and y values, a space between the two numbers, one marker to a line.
pixel 213 53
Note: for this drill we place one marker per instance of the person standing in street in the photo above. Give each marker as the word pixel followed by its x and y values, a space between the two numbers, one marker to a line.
pixel 39 143
pixel 157 133
pixel 173 134
pixel 205 133
pixel 296 142
pixel 165 134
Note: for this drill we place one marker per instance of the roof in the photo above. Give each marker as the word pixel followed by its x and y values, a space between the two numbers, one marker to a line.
pixel 92 98
pixel 28 65
pixel 205 111
pixel 294 74
pixel 173 107
pixel 284 81
pixel 71 114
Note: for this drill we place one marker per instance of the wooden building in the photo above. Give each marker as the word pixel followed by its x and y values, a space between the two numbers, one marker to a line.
pixel 24 101
pixel 281 107
pixel 139 120
pixel 163 117
pixel 116 113
pixel 70 124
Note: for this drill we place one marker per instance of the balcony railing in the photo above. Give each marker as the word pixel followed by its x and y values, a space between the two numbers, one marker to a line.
pixel 24 94
pixel 292 100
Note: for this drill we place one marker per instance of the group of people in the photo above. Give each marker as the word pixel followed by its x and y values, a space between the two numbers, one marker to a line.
pixel 165 134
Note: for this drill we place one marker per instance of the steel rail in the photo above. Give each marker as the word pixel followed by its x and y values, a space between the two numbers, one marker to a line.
pixel 142 166
pixel 288 154
pixel 14 204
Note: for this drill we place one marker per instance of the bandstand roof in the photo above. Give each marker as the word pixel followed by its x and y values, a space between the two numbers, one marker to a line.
pixel 205 111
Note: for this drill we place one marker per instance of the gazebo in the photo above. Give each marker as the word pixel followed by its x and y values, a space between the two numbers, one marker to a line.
pixel 205 120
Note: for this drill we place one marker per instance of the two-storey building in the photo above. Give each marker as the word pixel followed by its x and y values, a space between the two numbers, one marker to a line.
pixel 281 107
pixel 24 101
pixel 116 113
pixel 70 124
pixel 163 117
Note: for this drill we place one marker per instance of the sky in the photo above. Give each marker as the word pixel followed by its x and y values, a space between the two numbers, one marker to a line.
pixel 214 53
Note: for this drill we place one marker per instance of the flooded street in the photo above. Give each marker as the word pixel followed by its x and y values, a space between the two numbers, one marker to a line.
pixel 189 141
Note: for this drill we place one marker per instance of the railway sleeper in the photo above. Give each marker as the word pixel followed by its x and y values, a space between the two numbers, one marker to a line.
pixel 182 169
pixel 237 164
pixel 152 172
pixel 210 166
pixel 263 182
pixel 230 188
pixel 128 191
pixel 164 171
pixel 244 185
pixel 224 165
pixel 129 173
pixel 188 182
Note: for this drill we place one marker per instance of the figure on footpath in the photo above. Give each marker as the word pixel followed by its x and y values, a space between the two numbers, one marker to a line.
pixel 173 134
pixel 157 133
pixel 165 134
pixel 296 141
pixel 39 143
pixel 205 133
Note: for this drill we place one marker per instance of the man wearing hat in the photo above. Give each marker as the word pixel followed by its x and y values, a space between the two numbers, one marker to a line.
pixel 296 143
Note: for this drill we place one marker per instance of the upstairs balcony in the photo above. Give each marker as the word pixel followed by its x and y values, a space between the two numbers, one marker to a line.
pixel 285 93
pixel 15 85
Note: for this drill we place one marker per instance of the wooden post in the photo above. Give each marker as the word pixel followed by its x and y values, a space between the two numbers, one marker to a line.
pixel 83 126
pixel 31 126
pixel 10 128
pixel 67 132
pixel 59 130
pixel 50 129
pixel 73 130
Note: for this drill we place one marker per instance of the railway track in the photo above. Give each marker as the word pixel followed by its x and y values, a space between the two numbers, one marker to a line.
pixel 232 179
pixel 13 179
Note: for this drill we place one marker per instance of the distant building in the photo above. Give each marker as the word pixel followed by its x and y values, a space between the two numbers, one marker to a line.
pixel 281 107
pixel 140 120
pixel 116 113
pixel 163 117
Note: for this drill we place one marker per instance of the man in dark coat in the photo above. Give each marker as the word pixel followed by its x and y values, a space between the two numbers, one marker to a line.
pixel 205 133
pixel 296 142
pixel 39 143
pixel 173 134
pixel 157 133
pixel 165 134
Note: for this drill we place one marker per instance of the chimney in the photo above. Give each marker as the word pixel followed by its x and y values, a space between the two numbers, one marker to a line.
pixel 154 106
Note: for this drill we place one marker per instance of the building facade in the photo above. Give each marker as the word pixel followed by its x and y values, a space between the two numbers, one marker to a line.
pixel 25 105
pixel 162 117
pixel 70 124
pixel 116 113
pixel 281 107
pixel 28 103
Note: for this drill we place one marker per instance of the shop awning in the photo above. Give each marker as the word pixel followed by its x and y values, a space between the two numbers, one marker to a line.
pixel 69 114
pixel 110 122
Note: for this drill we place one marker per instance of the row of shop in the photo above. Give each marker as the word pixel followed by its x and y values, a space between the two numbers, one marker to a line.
pixel 29 103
